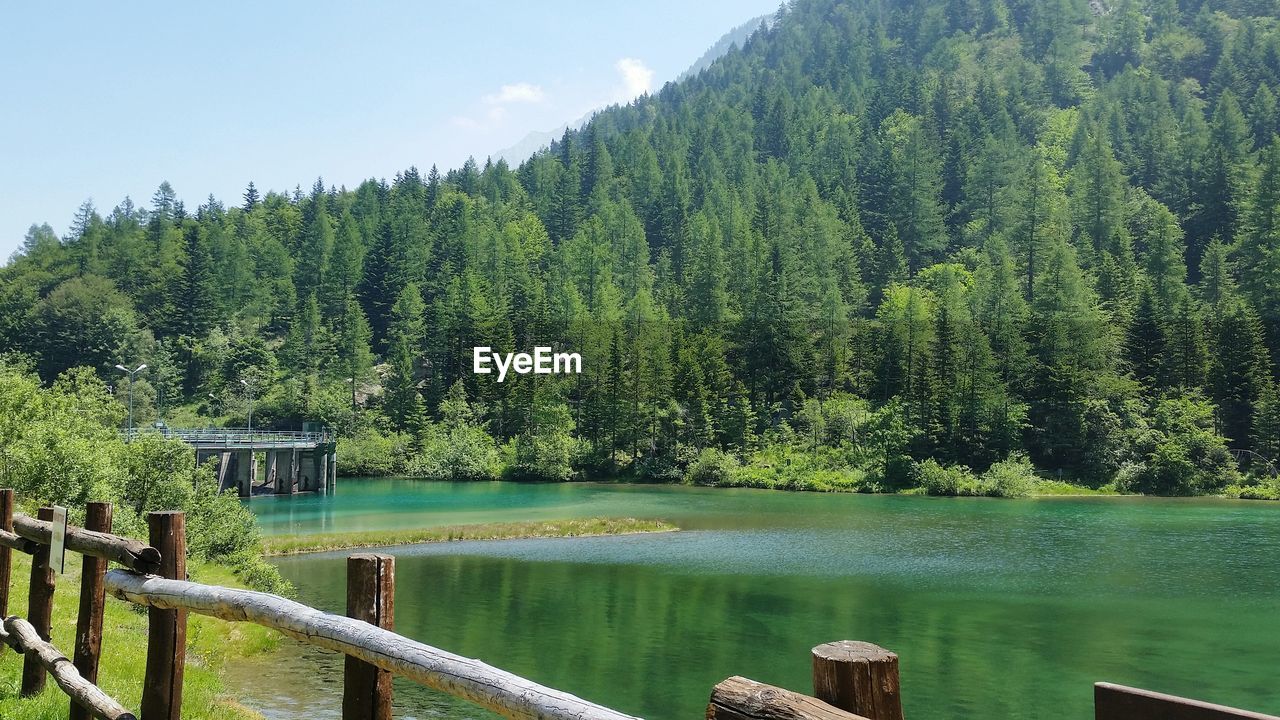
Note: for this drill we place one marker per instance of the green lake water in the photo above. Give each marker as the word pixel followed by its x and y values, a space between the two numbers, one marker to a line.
pixel 997 608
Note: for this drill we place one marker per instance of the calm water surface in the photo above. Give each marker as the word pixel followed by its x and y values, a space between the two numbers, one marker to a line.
pixel 998 608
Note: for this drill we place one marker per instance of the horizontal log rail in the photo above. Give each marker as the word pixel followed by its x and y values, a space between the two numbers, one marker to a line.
pixel 23 638
pixel 1117 702
pixel 14 541
pixel 128 552
pixel 500 691
pixel 738 698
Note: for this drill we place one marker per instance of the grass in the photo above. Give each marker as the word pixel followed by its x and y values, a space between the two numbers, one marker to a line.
pixel 1044 487
pixel 211 644
pixel 297 544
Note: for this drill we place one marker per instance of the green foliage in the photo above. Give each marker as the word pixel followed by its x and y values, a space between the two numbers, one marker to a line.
pixel 952 481
pixel 713 467
pixel 372 453
pixel 900 231
pixel 1182 454
pixel 457 448
pixel 61 446
pixel 1009 478
pixel 546 449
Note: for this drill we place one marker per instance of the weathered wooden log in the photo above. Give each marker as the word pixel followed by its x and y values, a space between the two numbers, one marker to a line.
pixel 93 596
pixel 40 612
pixel 506 694
pixel 858 677
pixel 13 541
pixel 6 555
pixel 738 698
pixel 371 589
pixel 128 552
pixel 22 636
pixel 1117 702
pixel 166 627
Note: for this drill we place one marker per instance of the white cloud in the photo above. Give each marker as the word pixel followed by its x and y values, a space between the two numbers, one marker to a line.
pixel 493 110
pixel 521 92
pixel 637 79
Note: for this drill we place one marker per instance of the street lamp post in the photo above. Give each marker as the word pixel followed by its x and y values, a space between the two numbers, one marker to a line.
pixel 131 374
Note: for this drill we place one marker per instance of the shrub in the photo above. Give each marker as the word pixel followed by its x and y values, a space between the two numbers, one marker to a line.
pixel 547 450
pixel 1012 477
pixel 462 453
pixel 371 453
pixel 1266 489
pixel 1182 453
pixel 939 480
pixel 66 450
pixel 712 467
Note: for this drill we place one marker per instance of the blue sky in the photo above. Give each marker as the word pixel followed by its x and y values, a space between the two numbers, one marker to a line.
pixel 103 100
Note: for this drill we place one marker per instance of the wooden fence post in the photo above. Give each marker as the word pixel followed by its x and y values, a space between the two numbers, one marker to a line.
pixel 93 594
pixel 39 611
pixel 858 677
pixel 6 555
pixel 167 629
pixel 371 586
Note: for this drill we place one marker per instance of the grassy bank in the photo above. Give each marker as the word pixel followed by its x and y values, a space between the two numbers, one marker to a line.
pixel 296 544
pixel 211 644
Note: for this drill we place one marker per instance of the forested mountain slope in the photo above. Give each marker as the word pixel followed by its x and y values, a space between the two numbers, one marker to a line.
pixel 878 233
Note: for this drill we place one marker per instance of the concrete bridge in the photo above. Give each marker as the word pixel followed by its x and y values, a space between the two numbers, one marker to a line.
pixel 294 461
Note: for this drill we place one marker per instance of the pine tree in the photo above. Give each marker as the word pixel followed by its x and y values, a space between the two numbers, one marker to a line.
pixel 1238 368
pixel 1223 177
pixel 251 197
pixel 353 346
pixel 1217 280
pixel 1259 248
pixel 192 306
pixel 346 267
pixel 1187 358
pixel 1097 193
pixel 1037 209
pixel 917 211
pixel 1146 345
pixel 407 335
pixel 1266 423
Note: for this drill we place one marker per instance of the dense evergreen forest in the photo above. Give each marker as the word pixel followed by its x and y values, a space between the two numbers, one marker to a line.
pixel 882 242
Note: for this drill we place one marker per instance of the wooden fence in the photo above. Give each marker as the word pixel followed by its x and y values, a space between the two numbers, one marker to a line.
pixel 852 680
pixel 860 681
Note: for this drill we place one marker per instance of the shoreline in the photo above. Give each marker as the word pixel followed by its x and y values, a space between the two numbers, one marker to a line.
pixel 287 545
pixel 1047 489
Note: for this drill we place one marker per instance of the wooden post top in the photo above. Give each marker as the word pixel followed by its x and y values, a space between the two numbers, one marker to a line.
pixel 853 651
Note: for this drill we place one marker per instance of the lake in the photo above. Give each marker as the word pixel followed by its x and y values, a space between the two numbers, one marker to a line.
pixel 998 608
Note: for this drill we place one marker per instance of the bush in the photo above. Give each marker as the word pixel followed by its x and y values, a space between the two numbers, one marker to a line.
pixel 1012 477
pixel 712 467
pixel 62 447
pixel 547 450
pixel 781 467
pixel 373 454
pixel 939 480
pixel 461 453
pixel 1182 452
pixel 1266 489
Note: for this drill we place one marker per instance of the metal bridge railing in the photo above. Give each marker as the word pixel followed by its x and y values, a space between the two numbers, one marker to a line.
pixel 234 436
